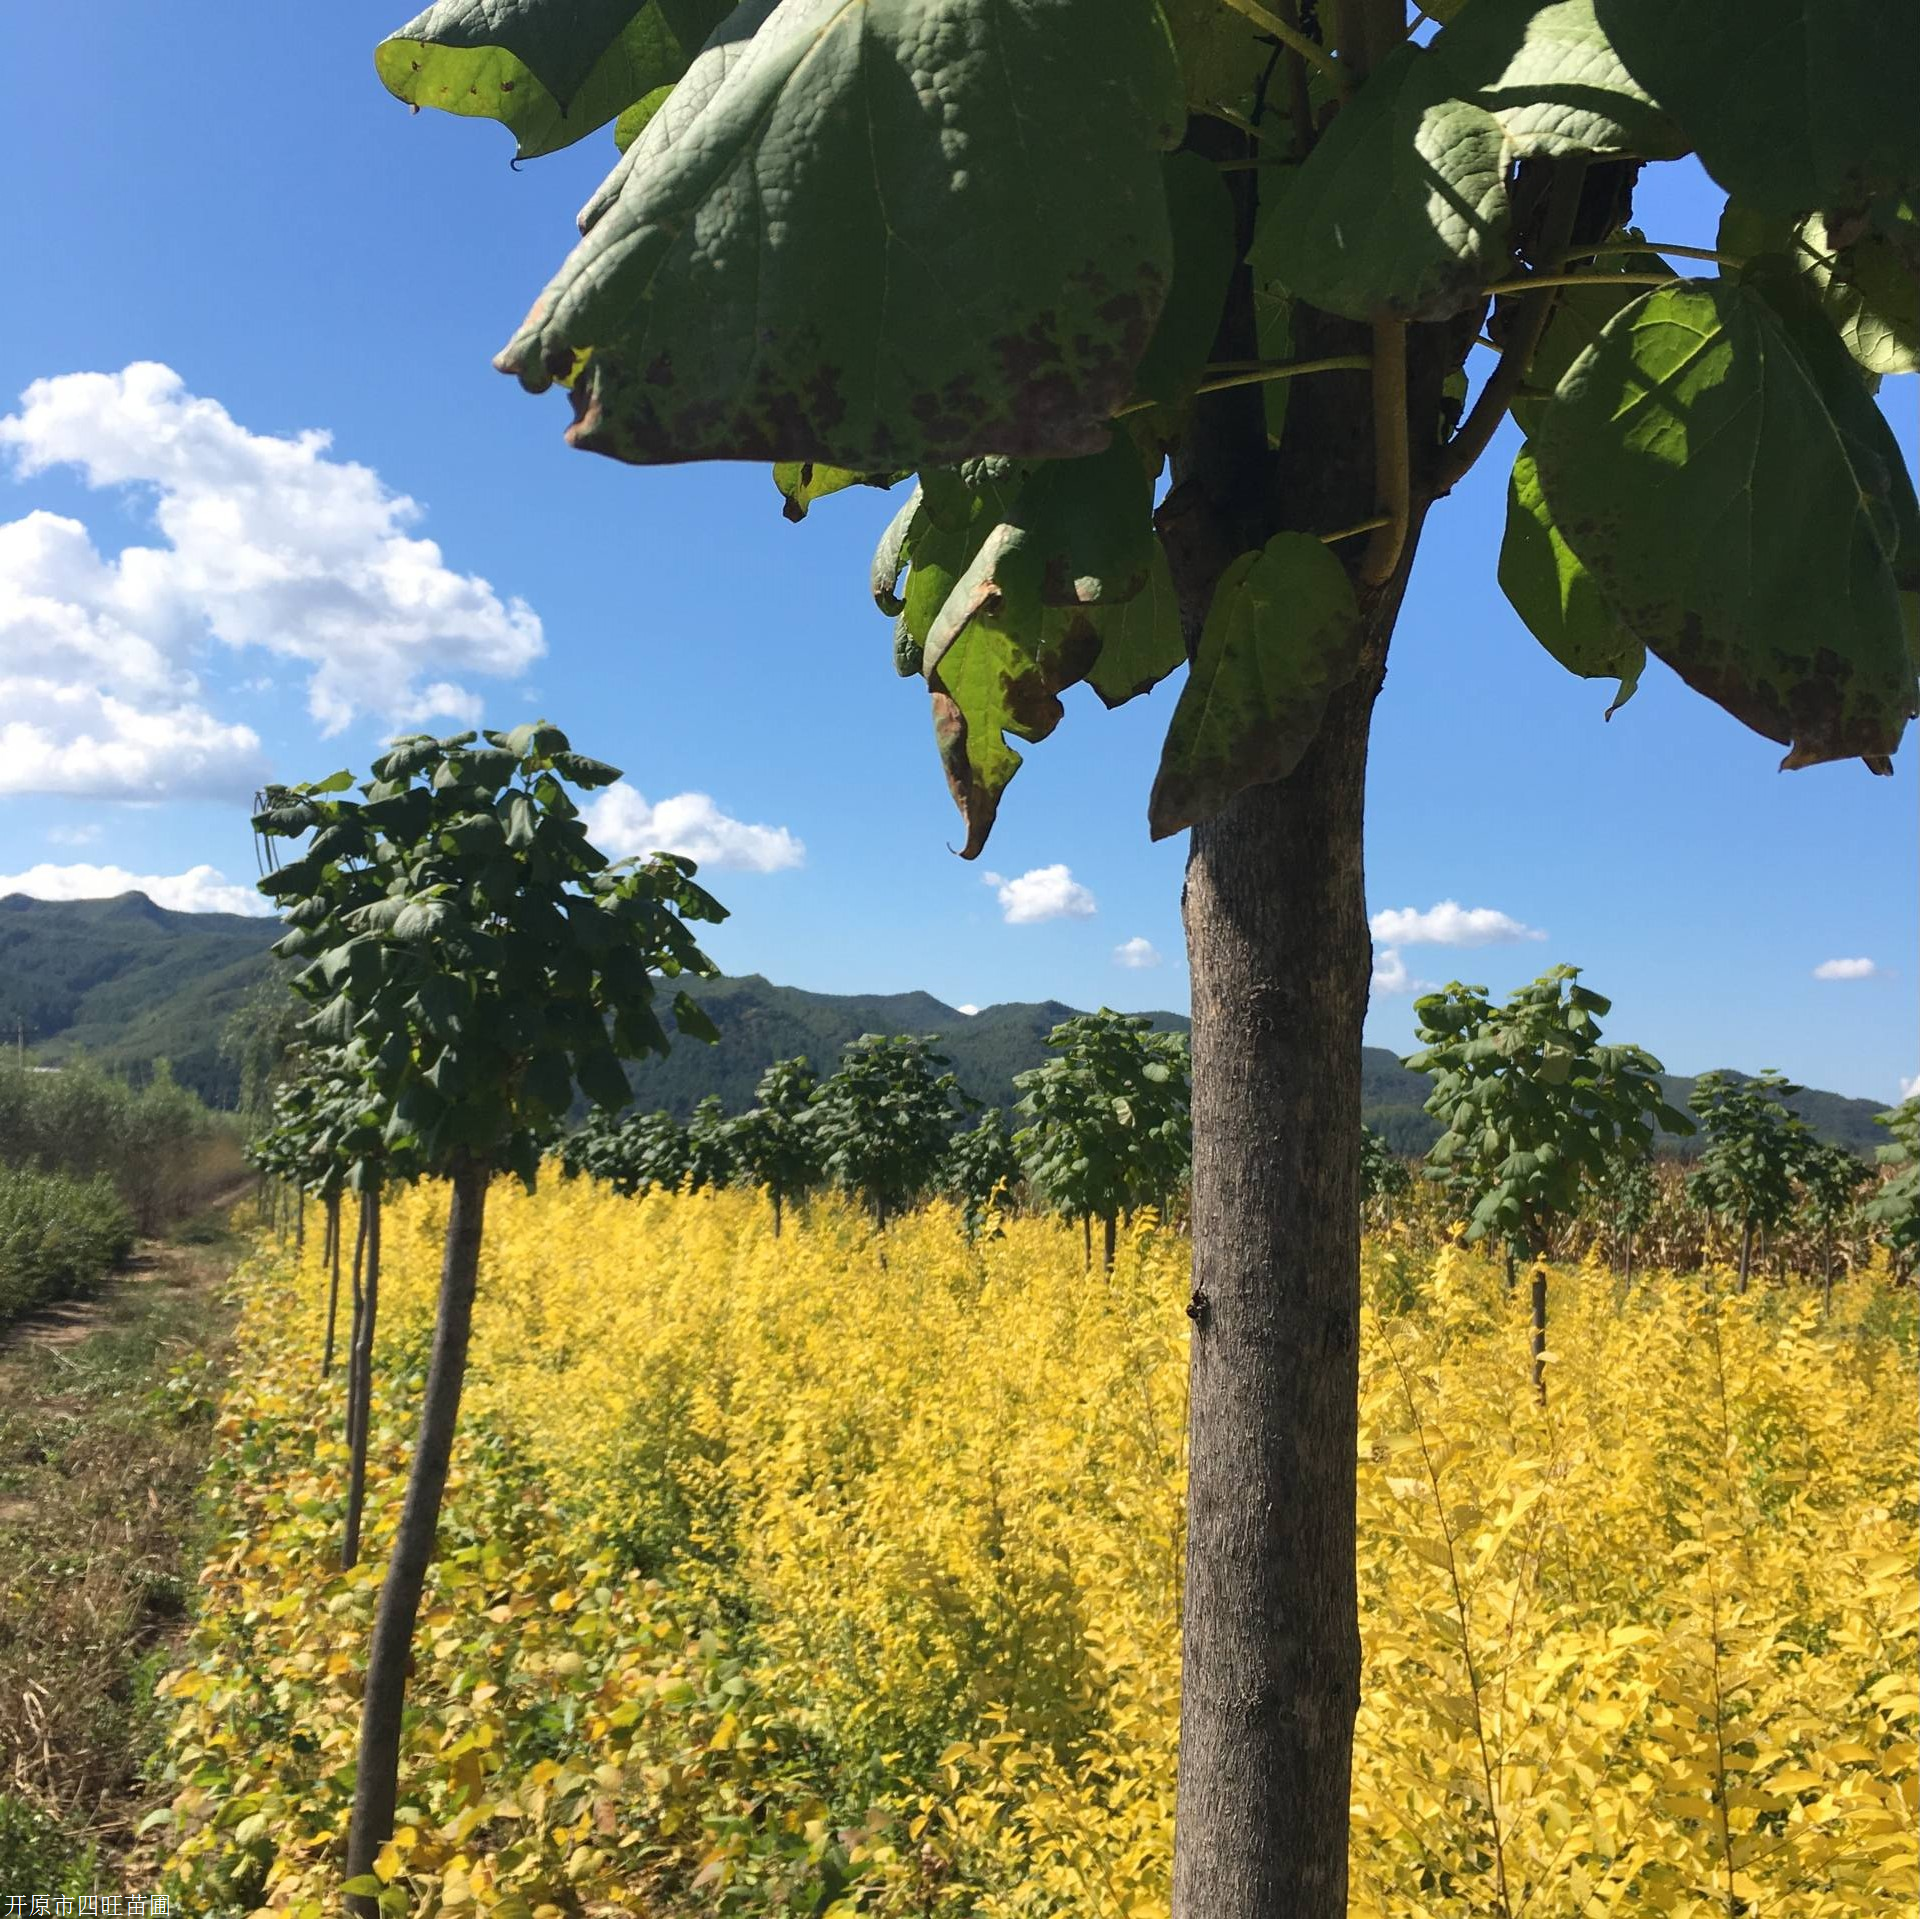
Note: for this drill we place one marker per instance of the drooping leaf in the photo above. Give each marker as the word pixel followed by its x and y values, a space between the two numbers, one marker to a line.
pixel 1403 207
pixel 1792 104
pixel 1867 290
pixel 1695 412
pixel 1140 639
pixel 994 680
pixel 726 300
pixel 1556 596
pixel 551 71
pixel 1078 533
pixel 1281 635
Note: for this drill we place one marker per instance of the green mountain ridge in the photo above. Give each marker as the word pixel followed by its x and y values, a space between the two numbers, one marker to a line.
pixel 128 982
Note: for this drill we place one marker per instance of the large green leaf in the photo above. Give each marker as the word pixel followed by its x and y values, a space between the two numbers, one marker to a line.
pixel 1867 290
pixel 832 254
pixel 1403 207
pixel 549 70
pixel 1579 316
pixel 1204 256
pixel 1792 104
pixel 1692 463
pixel 1556 596
pixel 1140 639
pixel 1281 635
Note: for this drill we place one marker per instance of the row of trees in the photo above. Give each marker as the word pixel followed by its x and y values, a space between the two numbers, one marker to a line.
pixel 1105 1130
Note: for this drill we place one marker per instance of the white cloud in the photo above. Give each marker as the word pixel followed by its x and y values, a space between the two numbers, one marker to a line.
pixel 1136 952
pixel 82 835
pixel 1908 1087
pixel 1449 924
pixel 266 543
pixel 200 889
pixel 970 1011
pixel 1044 893
pixel 622 822
pixel 1848 969
pixel 1391 978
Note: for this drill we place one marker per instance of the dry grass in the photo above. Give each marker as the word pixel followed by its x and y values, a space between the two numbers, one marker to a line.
pixel 100 1460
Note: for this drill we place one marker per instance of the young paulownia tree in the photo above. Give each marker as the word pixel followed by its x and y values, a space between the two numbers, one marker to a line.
pixel 1755 1143
pixel 773 1141
pixel 882 1120
pixel 1533 1106
pixel 1021 257
pixel 483 958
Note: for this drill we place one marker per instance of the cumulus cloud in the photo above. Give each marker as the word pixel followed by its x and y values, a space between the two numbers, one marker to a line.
pixel 970 1011
pixel 1390 976
pixel 1136 952
pixel 1043 893
pixel 200 889
pixel 267 542
pixel 1848 969
pixel 621 821
pixel 1449 924
pixel 1909 1087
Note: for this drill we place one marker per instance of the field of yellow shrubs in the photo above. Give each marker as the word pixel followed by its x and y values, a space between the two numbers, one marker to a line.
pixel 834 1574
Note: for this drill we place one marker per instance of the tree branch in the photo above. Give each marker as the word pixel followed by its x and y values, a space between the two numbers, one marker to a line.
pixel 1392 452
pixel 1293 39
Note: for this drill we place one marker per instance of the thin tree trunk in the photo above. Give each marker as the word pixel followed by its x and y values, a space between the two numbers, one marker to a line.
pixel 1539 1332
pixel 1826 1278
pixel 1270 1673
pixel 775 1196
pixel 377 1778
pixel 1086 1241
pixel 1511 1282
pixel 1629 1255
pixel 333 1284
pixel 1110 1243
pixel 360 1377
pixel 1746 1254
pixel 300 1223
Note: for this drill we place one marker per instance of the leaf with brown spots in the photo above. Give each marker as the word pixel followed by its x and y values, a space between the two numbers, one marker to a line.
pixel 1741 512
pixel 828 255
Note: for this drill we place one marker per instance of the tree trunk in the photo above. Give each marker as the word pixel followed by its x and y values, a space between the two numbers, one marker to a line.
pixel 1270 1673
pixel 1629 1256
pixel 360 1378
pixel 1746 1254
pixel 1539 1332
pixel 1110 1241
pixel 1086 1242
pixel 1826 1277
pixel 775 1196
pixel 1511 1282
pixel 377 1779
pixel 300 1224
pixel 333 1284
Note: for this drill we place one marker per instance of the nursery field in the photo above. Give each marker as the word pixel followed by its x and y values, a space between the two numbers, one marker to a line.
pixel 839 1572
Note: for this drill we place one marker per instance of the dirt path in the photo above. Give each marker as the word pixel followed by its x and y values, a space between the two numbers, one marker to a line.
pixel 100 1462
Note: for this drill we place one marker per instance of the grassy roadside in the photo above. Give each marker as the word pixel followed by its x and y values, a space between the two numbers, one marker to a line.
pixel 105 1420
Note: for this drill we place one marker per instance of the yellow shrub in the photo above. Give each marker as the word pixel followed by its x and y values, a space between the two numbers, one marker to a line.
pixel 838 1574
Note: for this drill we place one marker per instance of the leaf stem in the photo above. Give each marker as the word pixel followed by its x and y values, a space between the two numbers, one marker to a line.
pixel 1542 282
pixel 1654 246
pixel 1392 452
pixel 1311 51
pixel 1257 373
pixel 1359 526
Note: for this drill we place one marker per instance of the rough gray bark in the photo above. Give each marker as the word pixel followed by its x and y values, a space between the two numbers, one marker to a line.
pixel 333 1283
pixel 360 1374
pixel 1539 1332
pixel 1270 1665
pixel 376 1783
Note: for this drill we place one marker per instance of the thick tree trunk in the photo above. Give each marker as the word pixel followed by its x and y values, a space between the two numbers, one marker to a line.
pixel 1539 1332
pixel 333 1283
pixel 360 1375
pixel 1270 1673
pixel 377 1779
pixel 1746 1254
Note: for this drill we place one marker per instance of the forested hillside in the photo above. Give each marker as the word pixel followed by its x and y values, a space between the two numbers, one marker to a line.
pixel 128 982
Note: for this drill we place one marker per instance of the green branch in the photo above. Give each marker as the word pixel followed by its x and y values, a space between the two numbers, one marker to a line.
pixel 1232 373
pixel 1392 452
pixel 1311 51
pixel 1654 246
pixel 1541 282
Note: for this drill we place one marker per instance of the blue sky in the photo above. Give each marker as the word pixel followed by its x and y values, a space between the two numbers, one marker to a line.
pixel 227 191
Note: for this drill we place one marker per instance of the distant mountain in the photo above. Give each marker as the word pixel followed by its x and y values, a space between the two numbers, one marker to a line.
pixel 129 982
